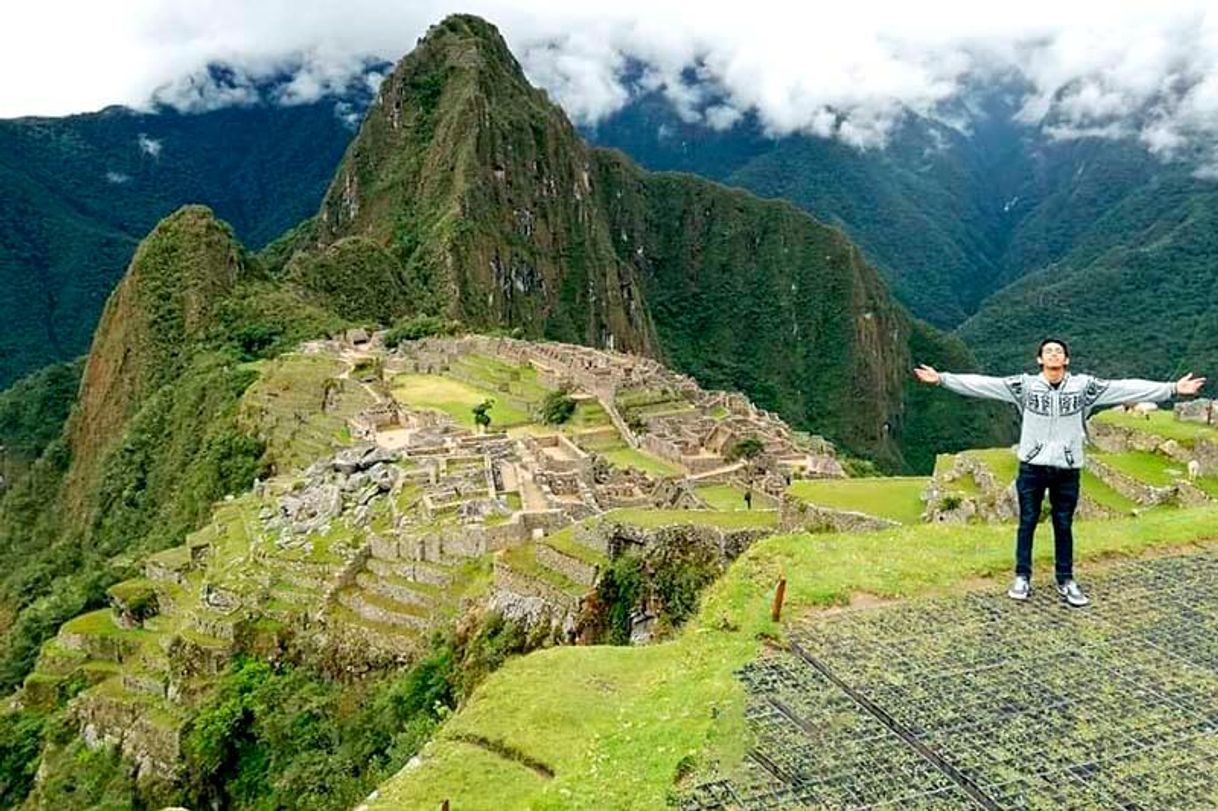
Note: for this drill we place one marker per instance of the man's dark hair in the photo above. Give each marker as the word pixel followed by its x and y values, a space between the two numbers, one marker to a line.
pixel 1057 341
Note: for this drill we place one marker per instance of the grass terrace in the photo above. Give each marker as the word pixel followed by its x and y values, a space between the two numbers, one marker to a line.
pixel 456 399
pixel 285 405
pixel 1149 468
pixel 730 497
pixel 1161 423
pixel 897 499
pixel 622 723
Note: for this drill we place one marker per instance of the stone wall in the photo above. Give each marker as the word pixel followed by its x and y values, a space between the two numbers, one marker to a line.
pixel 568 566
pixel 798 515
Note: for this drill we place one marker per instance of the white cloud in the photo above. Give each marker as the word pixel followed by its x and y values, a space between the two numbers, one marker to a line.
pixel 149 146
pixel 847 70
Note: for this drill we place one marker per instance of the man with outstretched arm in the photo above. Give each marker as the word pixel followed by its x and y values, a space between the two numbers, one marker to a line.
pixel 1054 406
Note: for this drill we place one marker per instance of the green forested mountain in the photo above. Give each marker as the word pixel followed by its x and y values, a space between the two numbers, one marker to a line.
pixel 78 193
pixel 468 195
pixel 1137 297
pixel 1114 242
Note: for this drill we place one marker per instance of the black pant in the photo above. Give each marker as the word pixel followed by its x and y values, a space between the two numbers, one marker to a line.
pixel 1062 484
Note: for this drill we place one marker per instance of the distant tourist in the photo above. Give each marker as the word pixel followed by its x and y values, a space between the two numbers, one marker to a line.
pixel 1054 406
pixel 748 498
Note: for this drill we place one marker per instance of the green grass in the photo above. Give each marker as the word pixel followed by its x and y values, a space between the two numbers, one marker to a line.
pixel 285 406
pixel 897 498
pixel 1161 423
pixel 454 398
pixel 1149 468
pixel 729 497
pixel 1095 489
pixel 617 722
pixel 588 414
pixel 524 560
pixel 1001 461
pixel 564 541
pixel 491 373
pixel 626 456
pixel 1209 485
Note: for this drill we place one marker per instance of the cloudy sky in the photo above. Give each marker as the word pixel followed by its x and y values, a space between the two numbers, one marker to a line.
pixel 1144 70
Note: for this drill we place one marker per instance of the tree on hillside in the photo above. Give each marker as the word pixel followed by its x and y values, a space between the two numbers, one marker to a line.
pixel 481 418
pixel 748 449
pixel 558 407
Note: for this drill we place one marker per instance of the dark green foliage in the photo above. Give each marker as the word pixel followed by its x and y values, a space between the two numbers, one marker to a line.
pixel 482 417
pixel 419 326
pixel 557 407
pixel 1139 299
pixel 936 421
pixel 180 453
pixel 84 779
pixel 668 582
pixel 32 414
pixel 78 193
pixel 293 738
pixel 747 448
pixel 261 319
pixel 1118 241
pixel 618 594
pixel 20 744
pixel 357 279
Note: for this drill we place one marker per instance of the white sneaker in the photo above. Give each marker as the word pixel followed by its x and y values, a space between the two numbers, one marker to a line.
pixel 1021 589
pixel 1072 594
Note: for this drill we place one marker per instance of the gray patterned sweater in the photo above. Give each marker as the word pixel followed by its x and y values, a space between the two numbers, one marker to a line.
pixel 1054 429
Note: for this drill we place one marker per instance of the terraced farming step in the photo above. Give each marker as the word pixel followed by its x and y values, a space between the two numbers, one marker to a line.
pixel 433 574
pixel 398 589
pixel 372 606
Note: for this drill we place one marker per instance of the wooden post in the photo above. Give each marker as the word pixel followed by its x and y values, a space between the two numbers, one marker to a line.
pixel 444 806
pixel 776 609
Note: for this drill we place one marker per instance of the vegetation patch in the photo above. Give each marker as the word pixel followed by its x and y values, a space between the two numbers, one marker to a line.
pixel 897 498
pixel 621 722
pixel 454 398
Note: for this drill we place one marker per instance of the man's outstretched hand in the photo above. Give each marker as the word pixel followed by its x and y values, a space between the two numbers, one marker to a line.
pixel 926 374
pixel 1189 384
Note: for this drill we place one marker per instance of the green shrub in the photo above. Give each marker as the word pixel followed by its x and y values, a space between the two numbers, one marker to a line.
pixel 419 326
pixel 482 417
pixel 20 743
pixel 558 407
pixel 747 448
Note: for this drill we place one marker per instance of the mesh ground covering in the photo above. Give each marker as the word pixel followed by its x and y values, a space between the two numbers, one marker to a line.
pixel 982 702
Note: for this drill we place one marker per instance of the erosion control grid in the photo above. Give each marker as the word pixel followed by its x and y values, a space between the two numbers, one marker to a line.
pixel 982 702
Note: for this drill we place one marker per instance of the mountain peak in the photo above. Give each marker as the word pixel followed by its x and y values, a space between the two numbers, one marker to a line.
pixel 467 41
pixel 480 190
pixel 164 303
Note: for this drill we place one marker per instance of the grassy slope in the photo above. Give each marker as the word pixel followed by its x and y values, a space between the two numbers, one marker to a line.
pixel 615 722
pixel 898 498
pixel 454 398
pixel 1162 423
